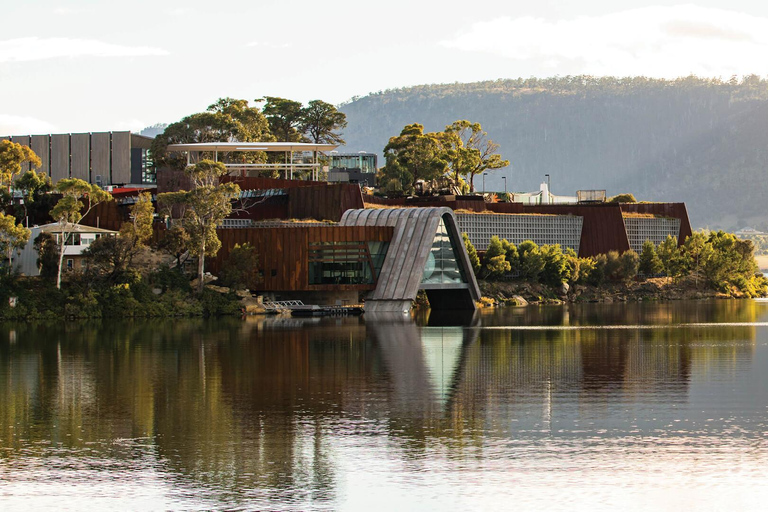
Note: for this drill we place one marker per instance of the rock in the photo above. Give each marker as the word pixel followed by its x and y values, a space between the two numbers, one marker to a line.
pixel 220 289
pixel 564 289
pixel 157 291
pixel 520 301
pixel 243 293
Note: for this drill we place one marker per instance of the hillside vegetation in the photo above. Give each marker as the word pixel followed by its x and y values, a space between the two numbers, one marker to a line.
pixel 701 141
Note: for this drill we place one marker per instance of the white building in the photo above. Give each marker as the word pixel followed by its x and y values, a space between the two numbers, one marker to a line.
pixel 80 239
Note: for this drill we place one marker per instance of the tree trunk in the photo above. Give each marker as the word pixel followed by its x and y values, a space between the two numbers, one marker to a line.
pixel 62 245
pixel 200 268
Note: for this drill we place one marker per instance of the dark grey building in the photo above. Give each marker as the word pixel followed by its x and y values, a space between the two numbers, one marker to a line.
pixel 104 158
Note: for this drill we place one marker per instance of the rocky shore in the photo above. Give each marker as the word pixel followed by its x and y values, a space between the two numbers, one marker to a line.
pixel 662 288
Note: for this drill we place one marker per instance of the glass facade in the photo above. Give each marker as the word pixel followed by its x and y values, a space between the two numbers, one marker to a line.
pixel 443 265
pixel 366 162
pixel 346 262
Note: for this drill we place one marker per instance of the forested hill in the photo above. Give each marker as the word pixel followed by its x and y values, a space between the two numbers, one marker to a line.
pixel 696 140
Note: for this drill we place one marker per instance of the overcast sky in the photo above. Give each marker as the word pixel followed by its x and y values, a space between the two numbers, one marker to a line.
pixel 92 65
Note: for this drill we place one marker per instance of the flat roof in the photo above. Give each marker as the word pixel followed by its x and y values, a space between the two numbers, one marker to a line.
pixel 252 146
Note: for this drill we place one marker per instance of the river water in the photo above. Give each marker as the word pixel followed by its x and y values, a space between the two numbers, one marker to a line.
pixel 659 406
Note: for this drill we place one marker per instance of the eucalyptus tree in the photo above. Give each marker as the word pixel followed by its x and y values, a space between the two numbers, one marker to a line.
pixel 199 211
pixel 68 211
pixel 470 151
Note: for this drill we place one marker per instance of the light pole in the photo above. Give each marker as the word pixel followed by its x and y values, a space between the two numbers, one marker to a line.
pixel 505 184
pixel 549 191
pixel 484 175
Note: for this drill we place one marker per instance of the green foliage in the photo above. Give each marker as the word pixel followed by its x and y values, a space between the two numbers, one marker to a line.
pixel 470 152
pixel 284 117
pixel 495 264
pixel 33 186
pixel 511 254
pixel 630 262
pixel 320 121
pixel 227 120
pixel 596 274
pixel 531 260
pixel 556 267
pixel 241 268
pixel 414 155
pixel 671 257
pixel 474 259
pixel 623 198
pixel 573 265
pixel 68 211
pixel 202 209
pixel 650 263
pixel 13 237
pixel 12 156
pixel 47 256
pixel 732 264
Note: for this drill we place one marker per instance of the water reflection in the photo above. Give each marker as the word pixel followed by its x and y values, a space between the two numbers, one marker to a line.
pixel 290 414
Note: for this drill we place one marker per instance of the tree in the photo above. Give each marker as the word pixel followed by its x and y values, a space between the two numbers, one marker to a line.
pixel 474 259
pixel 697 250
pixel 12 156
pixel 471 153
pixel 669 254
pixel 285 118
pixel 227 120
pixel 731 263
pixel 12 237
pixel 32 185
pixel 649 263
pixel 629 263
pixel 67 211
pixel 202 209
pixel 241 268
pixel 113 256
pixel 414 155
pixel 531 260
pixel 47 256
pixel 495 263
pixel 320 122
pixel 511 254
pixel 555 271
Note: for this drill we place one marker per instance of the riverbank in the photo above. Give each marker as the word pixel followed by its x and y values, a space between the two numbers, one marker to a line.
pixel 655 289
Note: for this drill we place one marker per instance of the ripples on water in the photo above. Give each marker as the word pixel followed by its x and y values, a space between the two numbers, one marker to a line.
pixel 634 407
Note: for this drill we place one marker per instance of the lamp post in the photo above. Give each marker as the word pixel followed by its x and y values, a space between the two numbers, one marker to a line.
pixel 505 184
pixel 484 175
pixel 549 191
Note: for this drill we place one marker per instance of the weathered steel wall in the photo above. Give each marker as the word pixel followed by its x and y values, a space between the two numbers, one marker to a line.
pixel 284 252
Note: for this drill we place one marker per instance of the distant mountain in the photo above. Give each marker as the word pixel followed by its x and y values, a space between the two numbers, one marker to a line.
pixel 701 141
pixel 154 130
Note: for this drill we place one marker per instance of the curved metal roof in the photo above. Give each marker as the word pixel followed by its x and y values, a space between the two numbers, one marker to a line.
pixel 411 243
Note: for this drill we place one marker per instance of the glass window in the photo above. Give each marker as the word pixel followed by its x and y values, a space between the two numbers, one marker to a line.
pixel 443 263
pixel 346 262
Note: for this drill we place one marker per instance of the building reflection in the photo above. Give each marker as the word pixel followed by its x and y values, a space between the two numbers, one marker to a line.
pixel 263 405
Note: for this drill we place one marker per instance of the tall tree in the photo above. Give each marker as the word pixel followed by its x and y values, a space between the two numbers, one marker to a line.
pixel 32 185
pixel 227 120
pixel 414 155
pixel 12 237
pixel 285 118
pixel 12 156
pixel 68 212
pixel 200 210
pixel 320 122
pixel 470 151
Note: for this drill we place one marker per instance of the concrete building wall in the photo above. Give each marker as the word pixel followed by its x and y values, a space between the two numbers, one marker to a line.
pixel 41 145
pixel 24 141
pixel 100 157
pixel 655 229
pixel 121 157
pixel 59 157
pixel 517 228
pixel 80 156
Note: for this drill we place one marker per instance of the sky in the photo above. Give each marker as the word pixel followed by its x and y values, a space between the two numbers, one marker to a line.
pixel 91 65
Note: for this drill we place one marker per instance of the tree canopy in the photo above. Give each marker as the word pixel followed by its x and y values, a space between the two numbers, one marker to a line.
pixel 199 211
